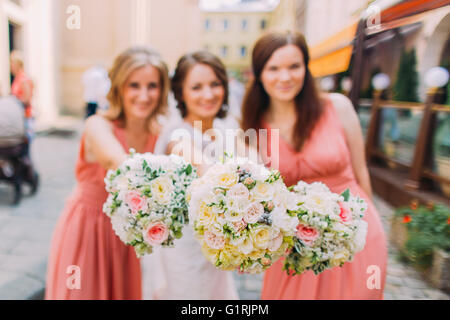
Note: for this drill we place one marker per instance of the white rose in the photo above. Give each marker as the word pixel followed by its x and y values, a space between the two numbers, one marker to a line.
pixel 246 246
pixel 233 216
pixel 277 240
pixel 236 204
pixel 261 236
pixel 262 192
pixel 253 212
pixel 283 221
pixel 122 183
pixel 162 189
pixel 238 191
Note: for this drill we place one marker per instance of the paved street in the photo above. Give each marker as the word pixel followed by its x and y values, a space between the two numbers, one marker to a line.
pixel 25 230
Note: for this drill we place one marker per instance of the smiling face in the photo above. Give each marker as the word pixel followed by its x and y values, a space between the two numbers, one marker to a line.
pixel 203 93
pixel 141 92
pixel 284 73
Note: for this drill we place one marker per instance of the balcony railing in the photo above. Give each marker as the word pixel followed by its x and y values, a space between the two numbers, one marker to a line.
pixel 407 144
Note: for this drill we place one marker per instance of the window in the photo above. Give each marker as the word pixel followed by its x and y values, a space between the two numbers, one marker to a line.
pixel 244 24
pixel 242 51
pixel 207 25
pixel 225 24
pixel 263 24
pixel 224 51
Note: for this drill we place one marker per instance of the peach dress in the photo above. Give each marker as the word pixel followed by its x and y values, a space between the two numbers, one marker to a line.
pixel 83 237
pixel 325 157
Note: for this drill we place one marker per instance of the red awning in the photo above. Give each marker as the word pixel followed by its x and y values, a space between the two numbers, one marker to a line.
pixel 406 13
pixel 409 8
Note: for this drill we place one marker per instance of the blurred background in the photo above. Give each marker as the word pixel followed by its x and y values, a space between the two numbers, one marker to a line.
pixel 390 57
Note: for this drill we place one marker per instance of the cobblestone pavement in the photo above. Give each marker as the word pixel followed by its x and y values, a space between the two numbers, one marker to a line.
pixel 26 229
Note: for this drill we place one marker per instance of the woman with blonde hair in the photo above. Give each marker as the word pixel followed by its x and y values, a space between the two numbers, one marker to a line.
pixel 320 140
pixel 87 260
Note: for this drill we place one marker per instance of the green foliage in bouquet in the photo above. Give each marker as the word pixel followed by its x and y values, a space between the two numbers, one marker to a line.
pixel 300 259
pixel 428 229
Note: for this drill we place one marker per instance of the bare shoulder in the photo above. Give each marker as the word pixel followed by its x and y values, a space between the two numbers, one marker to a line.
pixel 346 113
pixel 342 104
pixel 97 122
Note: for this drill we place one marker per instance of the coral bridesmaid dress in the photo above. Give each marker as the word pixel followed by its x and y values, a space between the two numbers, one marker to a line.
pixel 87 260
pixel 325 157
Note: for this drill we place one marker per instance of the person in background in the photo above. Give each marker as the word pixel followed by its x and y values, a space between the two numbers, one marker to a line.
pixel 96 85
pixel 22 89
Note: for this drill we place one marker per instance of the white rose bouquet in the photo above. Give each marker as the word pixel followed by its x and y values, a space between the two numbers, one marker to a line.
pixel 239 213
pixel 147 200
pixel 330 230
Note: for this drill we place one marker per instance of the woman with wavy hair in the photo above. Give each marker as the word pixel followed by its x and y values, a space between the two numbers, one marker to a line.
pixel 87 260
pixel 320 140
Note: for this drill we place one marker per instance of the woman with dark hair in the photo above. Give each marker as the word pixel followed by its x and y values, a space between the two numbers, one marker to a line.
pixel 200 88
pixel 320 140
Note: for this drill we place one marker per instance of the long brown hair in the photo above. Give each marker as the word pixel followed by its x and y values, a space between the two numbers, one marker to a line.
pixel 309 105
pixel 185 64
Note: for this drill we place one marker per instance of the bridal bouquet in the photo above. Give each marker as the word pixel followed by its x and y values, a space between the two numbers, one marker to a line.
pixel 330 230
pixel 239 213
pixel 147 202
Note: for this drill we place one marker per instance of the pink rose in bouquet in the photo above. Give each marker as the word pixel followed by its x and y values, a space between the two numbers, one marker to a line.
pixel 156 233
pixel 135 201
pixel 307 234
pixel 345 214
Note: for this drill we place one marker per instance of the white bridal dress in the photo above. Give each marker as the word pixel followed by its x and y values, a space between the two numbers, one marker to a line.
pixel 182 272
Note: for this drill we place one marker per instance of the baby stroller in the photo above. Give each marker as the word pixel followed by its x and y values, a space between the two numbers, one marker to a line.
pixel 15 163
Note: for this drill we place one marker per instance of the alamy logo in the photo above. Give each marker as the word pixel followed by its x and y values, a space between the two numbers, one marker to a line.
pixel 257 145
pixel 373 14
pixel 374 280
pixel 74 280
pixel 74 20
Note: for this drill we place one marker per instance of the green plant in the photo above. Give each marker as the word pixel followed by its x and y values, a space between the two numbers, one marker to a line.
pixel 428 229
pixel 441 143
pixel 448 94
pixel 405 87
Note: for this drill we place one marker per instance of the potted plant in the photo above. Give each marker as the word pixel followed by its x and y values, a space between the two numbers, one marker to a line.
pixel 427 242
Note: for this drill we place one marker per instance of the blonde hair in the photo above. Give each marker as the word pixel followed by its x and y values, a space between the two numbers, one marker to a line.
pixel 17 57
pixel 123 66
